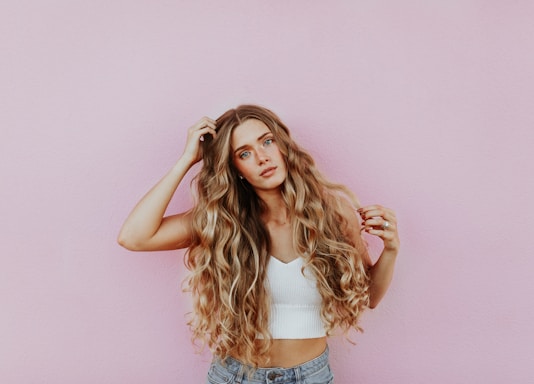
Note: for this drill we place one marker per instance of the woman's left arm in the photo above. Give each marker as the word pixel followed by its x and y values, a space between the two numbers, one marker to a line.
pixel 381 222
pixel 374 219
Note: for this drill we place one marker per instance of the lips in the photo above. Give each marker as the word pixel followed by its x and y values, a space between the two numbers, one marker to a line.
pixel 268 171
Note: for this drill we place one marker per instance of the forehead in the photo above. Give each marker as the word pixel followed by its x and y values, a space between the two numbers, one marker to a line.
pixel 248 132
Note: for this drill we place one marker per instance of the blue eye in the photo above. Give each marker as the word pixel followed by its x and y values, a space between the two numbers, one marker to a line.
pixel 244 154
pixel 268 141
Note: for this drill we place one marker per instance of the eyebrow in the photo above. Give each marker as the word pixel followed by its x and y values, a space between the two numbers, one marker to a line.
pixel 246 145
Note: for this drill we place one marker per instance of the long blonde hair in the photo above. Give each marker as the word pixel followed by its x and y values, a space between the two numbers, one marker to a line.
pixel 230 248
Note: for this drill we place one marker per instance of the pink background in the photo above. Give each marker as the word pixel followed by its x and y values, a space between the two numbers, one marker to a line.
pixel 423 106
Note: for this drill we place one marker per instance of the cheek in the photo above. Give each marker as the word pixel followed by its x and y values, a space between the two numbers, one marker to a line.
pixel 281 156
pixel 237 167
pixel 241 167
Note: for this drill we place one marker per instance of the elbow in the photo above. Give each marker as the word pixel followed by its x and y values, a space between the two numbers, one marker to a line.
pixel 372 303
pixel 123 242
pixel 127 242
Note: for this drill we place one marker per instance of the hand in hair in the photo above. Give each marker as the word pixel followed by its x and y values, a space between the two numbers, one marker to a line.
pixel 381 222
pixel 146 228
pixel 195 134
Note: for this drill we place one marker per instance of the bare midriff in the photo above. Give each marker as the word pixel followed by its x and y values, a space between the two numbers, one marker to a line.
pixel 287 353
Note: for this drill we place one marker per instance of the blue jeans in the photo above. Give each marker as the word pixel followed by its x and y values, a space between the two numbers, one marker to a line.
pixel 316 371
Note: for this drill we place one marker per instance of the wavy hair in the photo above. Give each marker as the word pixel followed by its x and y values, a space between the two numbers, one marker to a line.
pixel 230 246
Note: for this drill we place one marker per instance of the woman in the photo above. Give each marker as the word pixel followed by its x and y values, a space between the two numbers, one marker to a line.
pixel 275 250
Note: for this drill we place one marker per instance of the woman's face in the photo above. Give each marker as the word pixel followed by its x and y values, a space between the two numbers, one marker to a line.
pixel 257 157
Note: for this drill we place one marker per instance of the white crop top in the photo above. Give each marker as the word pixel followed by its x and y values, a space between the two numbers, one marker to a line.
pixel 296 302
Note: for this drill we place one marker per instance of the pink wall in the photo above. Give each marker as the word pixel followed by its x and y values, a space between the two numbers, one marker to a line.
pixel 425 107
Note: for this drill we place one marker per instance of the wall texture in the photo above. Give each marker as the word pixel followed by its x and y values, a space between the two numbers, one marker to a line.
pixel 422 106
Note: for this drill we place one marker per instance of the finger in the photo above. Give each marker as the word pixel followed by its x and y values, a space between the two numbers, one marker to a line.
pixel 377 211
pixel 206 118
pixel 370 208
pixel 371 211
pixel 209 122
pixel 196 128
pixel 389 239
pixel 386 234
pixel 204 122
pixel 379 223
pixel 199 134
pixel 377 232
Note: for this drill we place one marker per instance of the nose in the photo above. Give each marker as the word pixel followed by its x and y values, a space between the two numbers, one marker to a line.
pixel 263 157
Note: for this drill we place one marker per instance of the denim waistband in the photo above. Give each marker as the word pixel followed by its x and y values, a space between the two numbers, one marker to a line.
pixel 277 375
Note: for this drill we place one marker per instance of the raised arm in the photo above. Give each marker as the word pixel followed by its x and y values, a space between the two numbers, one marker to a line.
pixel 146 228
pixel 381 222
pixel 374 218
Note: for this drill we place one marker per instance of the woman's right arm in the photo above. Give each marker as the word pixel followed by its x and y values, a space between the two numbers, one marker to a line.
pixel 146 228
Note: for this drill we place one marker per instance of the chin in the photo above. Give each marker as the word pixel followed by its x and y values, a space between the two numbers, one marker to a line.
pixel 270 185
pixel 278 183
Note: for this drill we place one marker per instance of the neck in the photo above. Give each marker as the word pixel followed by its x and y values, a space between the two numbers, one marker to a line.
pixel 275 208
